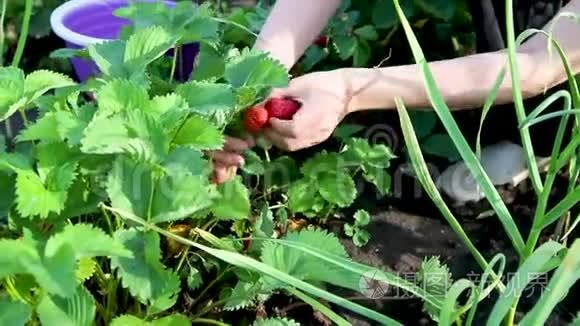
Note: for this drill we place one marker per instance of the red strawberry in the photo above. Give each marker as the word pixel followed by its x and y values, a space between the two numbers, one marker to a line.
pixel 255 119
pixel 322 41
pixel 282 108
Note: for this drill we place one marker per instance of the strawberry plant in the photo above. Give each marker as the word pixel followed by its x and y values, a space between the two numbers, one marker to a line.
pixel 357 231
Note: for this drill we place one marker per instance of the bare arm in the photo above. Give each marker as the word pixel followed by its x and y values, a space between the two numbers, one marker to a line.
pixel 292 26
pixel 465 82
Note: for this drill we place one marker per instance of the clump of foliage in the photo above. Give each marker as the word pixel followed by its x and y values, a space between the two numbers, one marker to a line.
pixel 357 231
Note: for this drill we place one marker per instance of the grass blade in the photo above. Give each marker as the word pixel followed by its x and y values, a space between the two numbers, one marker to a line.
pixel 486 107
pixel 448 312
pixel 316 305
pixel 571 200
pixel 452 128
pixel 532 266
pixel 562 281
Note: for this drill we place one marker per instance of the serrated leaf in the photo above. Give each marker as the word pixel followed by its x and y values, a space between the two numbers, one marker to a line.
pixel 346 131
pixel 210 64
pixel 145 129
pixel 86 268
pixel 199 134
pixel 105 135
pixel 122 95
pixel 34 199
pixel 54 156
pixel 7 198
pixel 194 279
pixel 109 57
pixel 148 44
pixel 14 313
pixel 87 242
pixel 303 196
pixel 171 320
pixel 359 151
pixel 185 160
pixel 361 237
pixel 255 68
pixel 349 230
pixel 304 266
pixel 129 185
pixel 275 322
pixel 337 188
pixel 313 56
pixel 44 129
pixel 434 277
pixel 11 89
pixel 71 126
pixel 253 163
pixel 169 109
pixel 234 200
pixel 367 32
pixel 178 197
pixel 441 145
pixel 3 146
pixel 41 81
pixel 280 172
pixel 78 310
pixel 320 163
pixel 214 101
pixel 242 296
pixel 380 177
pixel 143 274
pixel 362 217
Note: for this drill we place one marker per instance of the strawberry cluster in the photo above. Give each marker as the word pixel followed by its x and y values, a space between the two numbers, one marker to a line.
pixel 256 118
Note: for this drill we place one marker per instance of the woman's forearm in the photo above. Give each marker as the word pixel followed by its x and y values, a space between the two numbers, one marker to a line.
pixel 292 26
pixel 467 81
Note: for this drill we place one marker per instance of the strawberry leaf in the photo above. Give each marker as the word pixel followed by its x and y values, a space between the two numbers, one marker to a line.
pixel 41 81
pixel 214 101
pixel 171 320
pixel 253 68
pixel 275 322
pixel 337 188
pixel 121 95
pixel 379 177
pixel 367 32
pixel 86 241
pixel 148 44
pixel 11 90
pixel 71 126
pixel 14 313
pixel 35 199
pixel 362 217
pixel 105 135
pixel 78 310
pixel 303 196
pixel 44 129
pixel 234 202
pixel 199 134
pixel 143 274
pixel 361 237
pixel 185 160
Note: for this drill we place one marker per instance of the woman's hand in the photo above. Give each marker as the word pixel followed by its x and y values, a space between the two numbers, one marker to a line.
pixel 325 101
pixel 227 161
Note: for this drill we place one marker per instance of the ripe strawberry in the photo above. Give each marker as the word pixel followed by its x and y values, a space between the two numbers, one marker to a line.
pixel 282 108
pixel 255 118
pixel 322 41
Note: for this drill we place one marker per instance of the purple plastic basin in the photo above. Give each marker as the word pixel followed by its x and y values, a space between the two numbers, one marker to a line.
pixel 83 22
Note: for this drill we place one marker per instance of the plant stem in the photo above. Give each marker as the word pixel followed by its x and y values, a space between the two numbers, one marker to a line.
pixel 509 321
pixel 2 34
pixel 211 284
pixel 24 117
pixel 23 34
pixel 174 63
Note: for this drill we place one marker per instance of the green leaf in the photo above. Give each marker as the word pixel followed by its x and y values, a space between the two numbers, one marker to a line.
pixel 3 146
pixel 313 56
pixel 105 135
pixel 337 188
pixel 442 9
pixel 87 241
pixel 359 151
pixel 213 101
pixel 122 95
pixel 320 163
pixel 345 46
pixel 210 64
pixel 145 129
pixel 362 54
pixel 11 90
pixel 303 196
pixel 362 217
pixel 275 322
pixel 194 279
pixel 349 230
pixel 177 197
pixel 14 313
pixel 143 274
pixel 306 267
pixel 78 310
pixel 253 163
pixel 255 68
pixel 171 320
pixel 148 44
pixel 71 126
pixel 129 186
pixel 345 131
pixel 35 199
pixel 361 237
pixel 185 160
pixel 7 198
pixel 385 16
pixel 423 122
pixel 242 296
pixel 199 134
pixel 280 172
pixel 109 57
pixel 441 145
pixel 367 32
pixel 44 129
pixel 86 268
pixel 41 81
pixel 234 202
pixel 380 177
